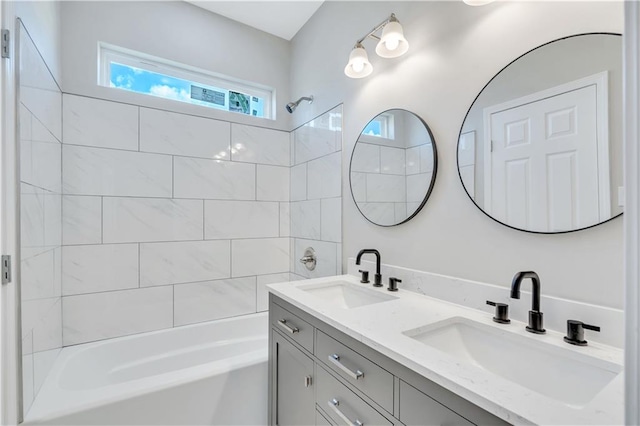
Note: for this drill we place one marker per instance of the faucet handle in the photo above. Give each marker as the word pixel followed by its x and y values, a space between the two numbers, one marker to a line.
pixel 365 276
pixel 393 284
pixel 575 332
pixel 502 312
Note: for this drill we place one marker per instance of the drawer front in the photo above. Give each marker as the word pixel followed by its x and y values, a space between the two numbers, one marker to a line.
pixel 342 405
pixel 292 326
pixel 416 408
pixel 321 420
pixel 368 377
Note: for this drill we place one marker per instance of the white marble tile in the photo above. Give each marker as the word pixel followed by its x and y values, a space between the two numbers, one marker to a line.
pixel 326 254
pixel 39 133
pixel 81 220
pixel 379 213
pixel 417 187
pixel 313 142
pixel 285 219
pixel 46 106
pixel 273 183
pixel 52 219
pixel 28 390
pixel 259 145
pixel 241 219
pixel 298 182
pixel 305 219
pixel 386 188
pixel 26 169
pixel 128 220
pixel 259 256
pixel 42 365
pixel 47 334
pixel 24 122
pixel 33 311
pixel 95 268
pixel 426 158
pixel 184 262
pixel 37 276
pixel 392 160
pixel 96 171
pixel 366 158
pixel 324 177
pixel 331 219
pixel 219 180
pixel 57 271
pixel 46 165
pixel 31 217
pixel 339 259
pixel 94 122
pixel 33 69
pixel 206 301
pixel 263 292
pixel 98 316
pixel 180 134
pixel 358 183
pixel 413 160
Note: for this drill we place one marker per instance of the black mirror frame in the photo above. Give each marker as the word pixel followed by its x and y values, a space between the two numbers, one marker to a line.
pixel 433 175
pixel 465 119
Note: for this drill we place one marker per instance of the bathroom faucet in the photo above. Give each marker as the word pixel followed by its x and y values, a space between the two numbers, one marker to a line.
pixel 535 316
pixel 377 282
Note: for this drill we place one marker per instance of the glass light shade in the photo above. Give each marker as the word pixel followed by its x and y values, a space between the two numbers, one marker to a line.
pixel 359 65
pixel 477 2
pixel 392 42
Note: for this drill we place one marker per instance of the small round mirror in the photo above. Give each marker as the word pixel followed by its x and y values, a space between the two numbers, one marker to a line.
pixel 393 167
pixel 540 149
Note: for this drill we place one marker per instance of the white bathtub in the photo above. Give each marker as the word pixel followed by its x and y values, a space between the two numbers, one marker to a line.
pixel 213 373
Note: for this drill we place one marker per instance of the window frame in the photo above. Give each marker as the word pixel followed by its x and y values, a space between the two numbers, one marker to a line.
pixel 108 53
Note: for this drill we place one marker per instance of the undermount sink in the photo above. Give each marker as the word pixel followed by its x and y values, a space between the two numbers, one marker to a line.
pixel 564 375
pixel 345 294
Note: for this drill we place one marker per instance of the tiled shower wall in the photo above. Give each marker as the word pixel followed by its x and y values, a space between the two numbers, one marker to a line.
pixel 168 219
pixel 316 194
pixel 40 135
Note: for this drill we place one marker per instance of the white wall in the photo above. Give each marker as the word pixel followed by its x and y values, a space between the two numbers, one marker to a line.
pixel 455 49
pixel 177 31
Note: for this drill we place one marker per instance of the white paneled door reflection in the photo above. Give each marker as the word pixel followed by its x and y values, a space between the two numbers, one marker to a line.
pixel 544 163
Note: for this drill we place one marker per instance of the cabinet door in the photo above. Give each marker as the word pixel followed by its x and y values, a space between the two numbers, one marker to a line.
pixel 294 402
pixel 417 408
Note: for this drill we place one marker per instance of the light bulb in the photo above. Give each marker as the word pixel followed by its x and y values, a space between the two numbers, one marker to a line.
pixel 358 66
pixel 392 44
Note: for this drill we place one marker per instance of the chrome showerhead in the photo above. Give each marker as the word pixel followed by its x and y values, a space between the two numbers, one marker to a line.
pixel 291 106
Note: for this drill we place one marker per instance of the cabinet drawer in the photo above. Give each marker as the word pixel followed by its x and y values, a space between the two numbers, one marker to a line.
pixel 292 326
pixel 342 405
pixel 321 420
pixel 370 378
pixel 416 408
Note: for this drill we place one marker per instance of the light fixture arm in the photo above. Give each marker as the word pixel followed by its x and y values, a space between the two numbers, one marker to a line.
pixel 371 34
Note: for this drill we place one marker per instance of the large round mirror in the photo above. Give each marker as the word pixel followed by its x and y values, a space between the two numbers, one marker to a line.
pixel 393 167
pixel 540 149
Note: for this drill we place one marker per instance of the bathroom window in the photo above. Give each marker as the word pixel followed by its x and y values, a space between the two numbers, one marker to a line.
pixel 136 72
pixel 381 127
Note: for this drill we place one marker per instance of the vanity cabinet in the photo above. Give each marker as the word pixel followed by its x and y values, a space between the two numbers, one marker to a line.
pixel 319 375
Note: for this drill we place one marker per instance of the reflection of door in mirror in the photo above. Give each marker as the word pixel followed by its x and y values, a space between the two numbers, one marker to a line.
pixel 467 161
pixel 547 166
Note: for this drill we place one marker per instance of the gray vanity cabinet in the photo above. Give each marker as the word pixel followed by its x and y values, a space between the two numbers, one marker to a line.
pixel 319 375
pixel 293 374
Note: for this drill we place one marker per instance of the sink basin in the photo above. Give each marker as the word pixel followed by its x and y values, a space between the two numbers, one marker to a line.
pixel 557 373
pixel 345 294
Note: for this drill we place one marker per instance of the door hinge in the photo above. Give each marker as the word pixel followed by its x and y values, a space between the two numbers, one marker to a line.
pixel 6 269
pixel 6 37
pixel 491 145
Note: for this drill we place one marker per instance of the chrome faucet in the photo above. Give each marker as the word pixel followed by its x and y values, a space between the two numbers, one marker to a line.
pixel 535 316
pixel 377 282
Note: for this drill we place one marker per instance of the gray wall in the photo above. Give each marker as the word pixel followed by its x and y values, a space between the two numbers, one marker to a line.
pixel 455 50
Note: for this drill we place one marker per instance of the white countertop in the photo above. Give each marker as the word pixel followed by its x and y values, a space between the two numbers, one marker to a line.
pixel 380 326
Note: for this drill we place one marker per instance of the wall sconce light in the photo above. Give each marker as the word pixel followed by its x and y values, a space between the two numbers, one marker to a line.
pixel 391 44
pixel 477 2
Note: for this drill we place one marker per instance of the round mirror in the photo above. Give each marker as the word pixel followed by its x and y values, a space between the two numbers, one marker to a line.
pixel 393 167
pixel 540 149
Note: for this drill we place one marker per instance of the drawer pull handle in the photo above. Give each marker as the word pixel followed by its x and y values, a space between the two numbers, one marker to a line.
pixel 335 360
pixel 307 381
pixel 283 324
pixel 334 404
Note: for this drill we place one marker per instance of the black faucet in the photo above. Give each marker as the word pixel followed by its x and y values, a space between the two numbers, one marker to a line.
pixel 377 282
pixel 535 316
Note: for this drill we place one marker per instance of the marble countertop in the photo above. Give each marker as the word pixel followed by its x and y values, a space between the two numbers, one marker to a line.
pixel 381 327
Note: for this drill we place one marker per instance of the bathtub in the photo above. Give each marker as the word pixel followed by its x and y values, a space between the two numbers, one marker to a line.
pixel 203 374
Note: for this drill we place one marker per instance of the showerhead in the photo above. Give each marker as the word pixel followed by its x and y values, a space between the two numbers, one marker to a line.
pixel 291 106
